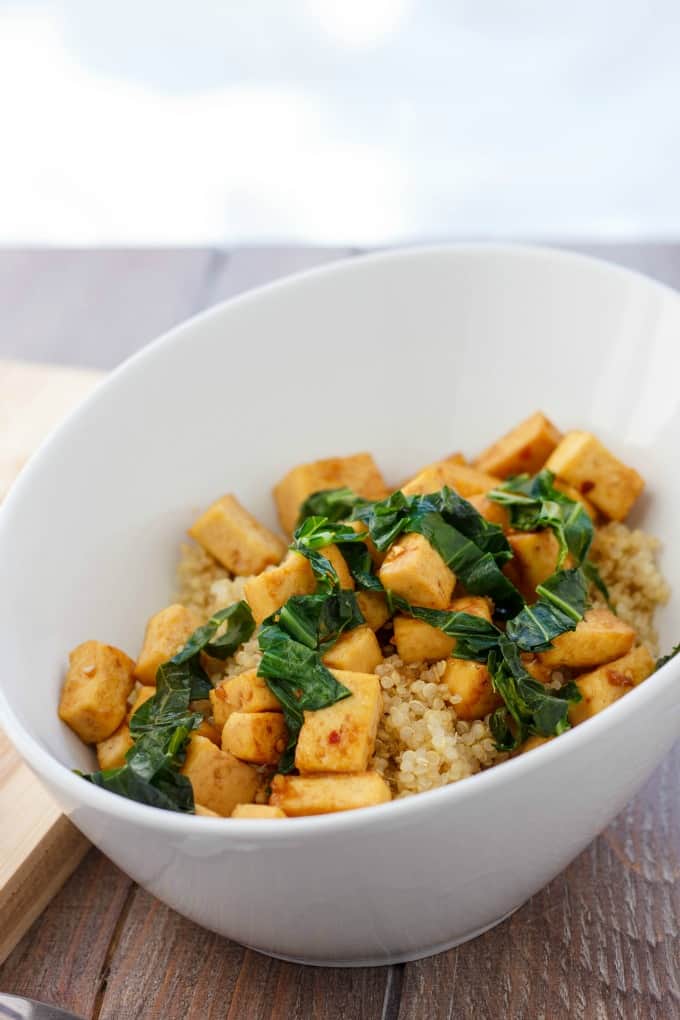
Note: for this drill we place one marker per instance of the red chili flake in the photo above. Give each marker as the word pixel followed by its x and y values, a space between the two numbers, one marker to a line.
pixel 617 679
pixel 334 737
pixel 587 486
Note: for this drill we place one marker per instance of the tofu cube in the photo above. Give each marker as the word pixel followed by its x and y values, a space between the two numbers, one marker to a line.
pixel 143 694
pixel 532 742
pixel 535 555
pixel 373 606
pixel 581 460
pixel 600 637
pixel 320 795
pixel 96 690
pixel 341 738
pixel 465 480
pixel 220 781
pixel 268 591
pixel 605 685
pixel 257 811
pixel 358 472
pixel 339 563
pixel 416 571
pixel 418 641
pixel 111 752
pixel 257 737
pixel 490 511
pixel 210 731
pixel 577 496
pixel 471 682
pixel 356 650
pixel 524 449
pixel 246 692
pixel 166 633
pixel 236 539
pixel 205 812
pixel 360 528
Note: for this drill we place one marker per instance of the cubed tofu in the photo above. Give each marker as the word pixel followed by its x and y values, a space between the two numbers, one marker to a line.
pixel 220 704
pixel 256 737
pixel 600 637
pixel 471 682
pixel 356 650
pixel 339 563
pixel 358 473
pixel 535 555
pixel 465 480
pixel 166 633
pixel 320 795
pixel 416 571
pixel 111 752
pixel 584 462
pixel 341 738
pixel 236 539
pixel 96 690
pixel 418 641
pixel 270 590
pixel 531 743
pixel 210 731
pixel 143 694
pixel 495 513
pixel 246 692
pixel 205 812
pixel 577 496
pixel 373 606
pixel 219 780
pixel 524 449
pixel 257 811
pixel 605 685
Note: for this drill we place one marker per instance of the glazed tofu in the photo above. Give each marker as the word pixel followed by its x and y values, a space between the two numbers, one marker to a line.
pixel 532 742
pixel 600 637
pixel 256 737
pixel 356 650
pixel 339 563
pixel 490 511
pixel 320 795
pixel 465 480
pixel 524 449
pixel 268 591
pixel 111 752
pixel 95 693
pixel 584 462
pixel 246 692
pixel 341 738
pixel 577 496
pixel 210 731
pixel 142 696
pixel 418 641
pixel 236 539
pixel 166 633
pixel 219 780
pixel 416 571
pixel 471 682
pixel 358 473
pixel 257 811
pixel 604 686
pixel 373 606
pixel 535 555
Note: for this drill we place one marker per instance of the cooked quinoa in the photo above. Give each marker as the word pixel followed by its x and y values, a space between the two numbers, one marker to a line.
pixel 421 744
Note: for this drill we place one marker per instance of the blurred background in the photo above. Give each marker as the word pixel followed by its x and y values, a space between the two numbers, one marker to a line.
pixel 335 122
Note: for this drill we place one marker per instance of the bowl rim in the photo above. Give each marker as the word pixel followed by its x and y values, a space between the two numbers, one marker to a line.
pixel 244 830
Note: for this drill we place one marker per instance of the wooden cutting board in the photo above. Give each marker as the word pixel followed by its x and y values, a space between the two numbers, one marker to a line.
pixel 39 847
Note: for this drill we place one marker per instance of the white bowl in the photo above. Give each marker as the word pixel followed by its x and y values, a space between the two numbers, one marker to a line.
pixel 409 354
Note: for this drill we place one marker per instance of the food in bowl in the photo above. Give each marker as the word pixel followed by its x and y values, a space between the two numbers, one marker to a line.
pixel 401 639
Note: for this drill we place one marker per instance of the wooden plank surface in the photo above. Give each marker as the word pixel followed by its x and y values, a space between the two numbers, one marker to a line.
pixel 601 941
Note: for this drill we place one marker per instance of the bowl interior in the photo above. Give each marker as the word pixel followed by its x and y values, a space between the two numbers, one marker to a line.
pixel 410 355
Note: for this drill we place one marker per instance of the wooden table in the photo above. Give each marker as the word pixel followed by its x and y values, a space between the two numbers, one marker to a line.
pixel 603 940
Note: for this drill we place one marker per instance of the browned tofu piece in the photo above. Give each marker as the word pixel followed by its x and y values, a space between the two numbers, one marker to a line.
pixel 358 472
pixel 471 682
pixel 535 555
pixel 373 606
pixel 166 633
pixel 584 462
pixel 257 811
pixel 341 738
pixel 268 591
pixel 220 781
pixel 236 539
pixel 339 563
pixel 111 752
pixel 416 571
pixel 210 731
pixel 205 812
pixel 246 692
pixel 417 641
pixel 524 449
pixel 605 685
pixel 532 742
pixel 600 637
pixel 577 496
pixel 465 480
pixel 142 696
pixel 490 511
pixel 320 795
pixel 95 692
pixel 356 650
pixel 257 737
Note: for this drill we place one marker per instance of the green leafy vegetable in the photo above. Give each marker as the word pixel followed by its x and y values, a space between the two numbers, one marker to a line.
pixel 333 504
pixel 360 565
pixel 560 607
pixel 317 621
pixel 594 577
pixel 238 623
pixel 667 658
pixel 316 533
pixel 475 636
pixel 530 707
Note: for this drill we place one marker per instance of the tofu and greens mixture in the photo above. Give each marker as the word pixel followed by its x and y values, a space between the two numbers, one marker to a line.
pixel 397 640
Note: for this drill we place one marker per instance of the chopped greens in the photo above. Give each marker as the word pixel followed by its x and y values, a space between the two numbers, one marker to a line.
pixel 333 504
pixel 667 658
pixel 475 636
pixel 560 607
pixel 314 534
pixel 530 707
pixel 317 621
pixel 360 565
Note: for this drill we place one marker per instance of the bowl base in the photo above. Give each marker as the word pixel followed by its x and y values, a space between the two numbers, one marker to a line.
pixel 387 961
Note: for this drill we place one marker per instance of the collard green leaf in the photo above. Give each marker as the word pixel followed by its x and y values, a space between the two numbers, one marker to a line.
pixel 360 566
pixel 333 504
pixel 314 534
pixel 594 577
pixel 667 658
pixel 233 625
pixel 560 607
pixel 317 621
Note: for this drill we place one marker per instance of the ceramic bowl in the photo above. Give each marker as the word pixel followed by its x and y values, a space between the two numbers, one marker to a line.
pixel 409 354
